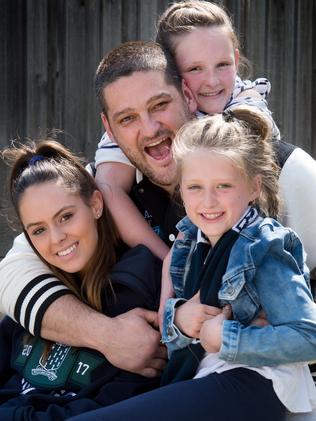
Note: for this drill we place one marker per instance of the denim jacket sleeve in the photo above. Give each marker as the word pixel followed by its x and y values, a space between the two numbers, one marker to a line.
pixel 180 261
pixel 172 337
pixel 281 281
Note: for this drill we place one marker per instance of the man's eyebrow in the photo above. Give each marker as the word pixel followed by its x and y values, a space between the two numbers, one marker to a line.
pixel 54 216
pixel 162 95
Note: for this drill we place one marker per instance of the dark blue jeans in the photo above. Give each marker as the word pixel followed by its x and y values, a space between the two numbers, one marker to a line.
pixel 235 395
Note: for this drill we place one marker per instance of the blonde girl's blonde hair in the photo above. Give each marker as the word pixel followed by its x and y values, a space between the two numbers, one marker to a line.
pixel 242 135
pixel 182 17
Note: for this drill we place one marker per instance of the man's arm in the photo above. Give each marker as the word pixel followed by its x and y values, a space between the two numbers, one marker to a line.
pixel 115 180
pixel 298 186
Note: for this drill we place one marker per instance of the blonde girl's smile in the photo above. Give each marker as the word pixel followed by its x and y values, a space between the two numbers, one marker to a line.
pixel 215 192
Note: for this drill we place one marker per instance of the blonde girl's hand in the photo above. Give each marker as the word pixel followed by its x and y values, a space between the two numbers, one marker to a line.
pixel 211 331
pixel 191 315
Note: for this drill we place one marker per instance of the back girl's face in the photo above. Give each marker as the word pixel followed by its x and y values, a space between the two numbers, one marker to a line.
pixel 61 226
pixel 215 192
pixel 208 61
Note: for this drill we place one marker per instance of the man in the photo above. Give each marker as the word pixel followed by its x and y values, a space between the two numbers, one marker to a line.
pixel 40 302
pixel 141 85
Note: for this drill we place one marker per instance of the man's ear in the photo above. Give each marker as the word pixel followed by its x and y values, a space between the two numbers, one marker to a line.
pixel 106 125
pixel 189 97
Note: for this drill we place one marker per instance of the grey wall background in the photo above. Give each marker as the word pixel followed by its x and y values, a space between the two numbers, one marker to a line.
pixel 49 50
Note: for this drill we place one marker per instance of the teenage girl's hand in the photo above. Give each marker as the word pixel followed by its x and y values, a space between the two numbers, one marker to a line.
pixel 211 331
pixel 191 315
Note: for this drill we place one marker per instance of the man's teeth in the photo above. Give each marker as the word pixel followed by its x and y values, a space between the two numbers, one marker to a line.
pixel 157 143
pixel 67 251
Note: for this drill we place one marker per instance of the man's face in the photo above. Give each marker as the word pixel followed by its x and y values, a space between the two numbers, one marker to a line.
pixel 144 114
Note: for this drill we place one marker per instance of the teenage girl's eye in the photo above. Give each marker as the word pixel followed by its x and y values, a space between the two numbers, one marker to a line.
pixel 65 217
pixel 38 231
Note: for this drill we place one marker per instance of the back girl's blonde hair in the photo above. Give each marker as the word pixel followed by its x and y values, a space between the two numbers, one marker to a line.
pixel 243 136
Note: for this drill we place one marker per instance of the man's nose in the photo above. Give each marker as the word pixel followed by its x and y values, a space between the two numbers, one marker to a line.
pixel 150 126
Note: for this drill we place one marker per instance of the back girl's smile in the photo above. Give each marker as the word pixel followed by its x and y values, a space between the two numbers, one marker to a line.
pixel 209 72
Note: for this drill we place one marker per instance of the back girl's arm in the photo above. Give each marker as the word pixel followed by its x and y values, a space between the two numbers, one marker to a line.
pixel 115 180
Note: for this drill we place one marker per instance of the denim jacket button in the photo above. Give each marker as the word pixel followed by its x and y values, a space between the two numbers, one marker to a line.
pixel 230 290
pixel 169 331
pixel 172 237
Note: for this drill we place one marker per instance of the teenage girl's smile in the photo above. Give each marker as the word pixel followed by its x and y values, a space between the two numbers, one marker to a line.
pixel 63 228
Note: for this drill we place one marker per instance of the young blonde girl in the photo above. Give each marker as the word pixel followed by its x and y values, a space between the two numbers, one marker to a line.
pixel 232 262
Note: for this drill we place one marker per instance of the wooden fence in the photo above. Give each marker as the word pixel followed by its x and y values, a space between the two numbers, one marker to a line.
pixel 49 50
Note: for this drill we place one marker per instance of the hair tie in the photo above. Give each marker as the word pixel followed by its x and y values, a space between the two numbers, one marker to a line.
pixel 36 158
pixel 228 116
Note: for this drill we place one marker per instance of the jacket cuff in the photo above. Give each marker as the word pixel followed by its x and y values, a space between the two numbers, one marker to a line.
pixel 230 339
pixel 171 335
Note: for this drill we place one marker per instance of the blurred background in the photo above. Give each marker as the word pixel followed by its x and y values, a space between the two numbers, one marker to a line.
pixel 49 51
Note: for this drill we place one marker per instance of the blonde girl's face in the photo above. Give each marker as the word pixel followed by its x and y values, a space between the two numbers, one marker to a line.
pixel 215 192
pixel 208 61
pixel 61 226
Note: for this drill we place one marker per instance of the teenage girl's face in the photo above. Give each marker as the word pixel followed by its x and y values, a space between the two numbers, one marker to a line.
pixel 61 226
pixel 215 192
pixel 208 61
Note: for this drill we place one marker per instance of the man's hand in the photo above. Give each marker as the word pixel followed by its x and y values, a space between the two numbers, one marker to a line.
pixel 211 331
pixel 130 341
pixel 134 343
pixel 191 315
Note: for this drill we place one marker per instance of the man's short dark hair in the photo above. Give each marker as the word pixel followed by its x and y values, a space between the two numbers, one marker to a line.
pixel 135 56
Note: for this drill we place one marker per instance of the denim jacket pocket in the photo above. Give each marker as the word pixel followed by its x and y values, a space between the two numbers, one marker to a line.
pixel 241 295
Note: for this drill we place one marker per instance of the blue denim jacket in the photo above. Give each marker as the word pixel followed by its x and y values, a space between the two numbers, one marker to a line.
pixel 266 270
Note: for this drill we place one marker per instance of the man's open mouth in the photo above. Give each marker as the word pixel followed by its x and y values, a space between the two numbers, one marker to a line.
pixel 160 149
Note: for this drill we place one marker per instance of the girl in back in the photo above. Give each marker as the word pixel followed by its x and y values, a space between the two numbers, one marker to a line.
pixel 202 40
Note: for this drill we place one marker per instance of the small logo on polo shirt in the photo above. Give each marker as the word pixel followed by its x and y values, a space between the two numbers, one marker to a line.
pixel 49 367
